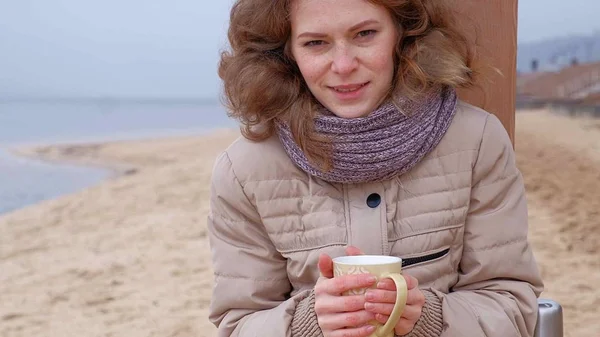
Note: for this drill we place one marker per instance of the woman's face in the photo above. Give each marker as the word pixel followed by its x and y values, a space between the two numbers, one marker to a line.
pixel 345 52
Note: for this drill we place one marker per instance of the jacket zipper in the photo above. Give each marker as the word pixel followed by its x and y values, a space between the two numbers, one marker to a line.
pixel 425 258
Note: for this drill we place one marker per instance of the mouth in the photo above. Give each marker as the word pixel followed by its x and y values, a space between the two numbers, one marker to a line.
pixel 348 88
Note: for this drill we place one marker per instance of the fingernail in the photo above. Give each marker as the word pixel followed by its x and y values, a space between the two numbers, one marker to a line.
pixel 370 328
pixel 380 285
pixel 372 279
pixel 369 296
pixel 369 306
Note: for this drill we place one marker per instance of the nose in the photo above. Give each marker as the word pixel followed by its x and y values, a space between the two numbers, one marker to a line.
pixel 344 61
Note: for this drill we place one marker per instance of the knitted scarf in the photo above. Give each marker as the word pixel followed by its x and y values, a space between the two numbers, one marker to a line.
pixel 385 144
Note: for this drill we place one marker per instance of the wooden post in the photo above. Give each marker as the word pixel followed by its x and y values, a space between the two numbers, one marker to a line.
pixel 492 24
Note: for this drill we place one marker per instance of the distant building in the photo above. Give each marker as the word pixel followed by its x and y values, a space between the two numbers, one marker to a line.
pixel 574 89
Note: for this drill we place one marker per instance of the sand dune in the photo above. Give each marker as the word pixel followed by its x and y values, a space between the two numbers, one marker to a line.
pixel 129 257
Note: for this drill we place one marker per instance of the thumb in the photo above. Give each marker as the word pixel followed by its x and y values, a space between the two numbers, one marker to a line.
pixel 326 265
pixel 351 250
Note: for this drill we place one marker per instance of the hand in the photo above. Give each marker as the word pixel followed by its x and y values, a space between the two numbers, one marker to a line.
pixel 381 301
pixel 326 263
pixel 339 315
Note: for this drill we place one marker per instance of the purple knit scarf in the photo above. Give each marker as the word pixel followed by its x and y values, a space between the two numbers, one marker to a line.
pixel 385 144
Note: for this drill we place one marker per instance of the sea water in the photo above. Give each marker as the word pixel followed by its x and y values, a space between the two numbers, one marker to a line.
pixel 25 181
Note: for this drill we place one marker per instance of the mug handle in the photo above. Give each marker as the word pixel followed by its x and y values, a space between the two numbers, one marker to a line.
pixel 401 294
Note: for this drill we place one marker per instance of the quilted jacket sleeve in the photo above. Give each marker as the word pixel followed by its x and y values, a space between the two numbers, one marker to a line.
pixel 251 288
pixel 498 284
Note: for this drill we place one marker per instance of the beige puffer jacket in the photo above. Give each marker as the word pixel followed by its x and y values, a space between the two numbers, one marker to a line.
pixel 458 219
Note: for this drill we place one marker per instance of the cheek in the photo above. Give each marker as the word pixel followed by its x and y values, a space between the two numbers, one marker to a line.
pixel 310 67
pixel 381 61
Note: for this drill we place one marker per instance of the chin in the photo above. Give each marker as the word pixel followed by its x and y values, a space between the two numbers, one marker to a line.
pixel 351 111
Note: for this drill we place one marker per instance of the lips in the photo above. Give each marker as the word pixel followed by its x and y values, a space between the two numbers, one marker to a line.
pixel 346 88
pixel 349 92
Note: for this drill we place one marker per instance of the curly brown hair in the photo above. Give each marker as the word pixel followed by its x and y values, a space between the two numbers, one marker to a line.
pixel 262 83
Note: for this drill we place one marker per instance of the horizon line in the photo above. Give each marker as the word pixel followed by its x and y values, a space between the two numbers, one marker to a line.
pixel 115 99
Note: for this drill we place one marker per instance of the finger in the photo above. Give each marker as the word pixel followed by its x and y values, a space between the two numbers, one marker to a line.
pixel 382 318
pixel 380 296
pixel 412 312
pixel 386 284
pixel 404 326
pixel 379 308
pixel 351 250
pixel 345 320
pixel 337 304
pixel 362 331
pixel 415 297
pixel 411 282
pixel 326 265
pixel 341 284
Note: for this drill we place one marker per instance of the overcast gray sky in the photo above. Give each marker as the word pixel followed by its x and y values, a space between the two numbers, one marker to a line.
pixel 152 48
pixel 540 19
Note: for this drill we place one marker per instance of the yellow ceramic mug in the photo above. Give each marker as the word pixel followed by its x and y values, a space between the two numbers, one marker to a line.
pixel 382 267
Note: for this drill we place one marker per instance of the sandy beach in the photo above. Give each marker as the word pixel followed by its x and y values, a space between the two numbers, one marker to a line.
pixel 130 257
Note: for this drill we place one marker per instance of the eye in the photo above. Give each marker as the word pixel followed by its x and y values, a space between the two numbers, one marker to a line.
pixel 366 33
pixel 314 43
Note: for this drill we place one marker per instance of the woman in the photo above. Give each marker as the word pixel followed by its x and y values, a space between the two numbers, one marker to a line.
pixel 355 142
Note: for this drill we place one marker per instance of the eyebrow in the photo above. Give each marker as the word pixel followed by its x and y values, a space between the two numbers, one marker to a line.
pixel 353 28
